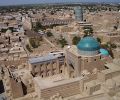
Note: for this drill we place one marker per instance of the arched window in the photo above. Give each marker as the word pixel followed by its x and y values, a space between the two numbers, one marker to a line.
pixel 95 59
pixel 34 66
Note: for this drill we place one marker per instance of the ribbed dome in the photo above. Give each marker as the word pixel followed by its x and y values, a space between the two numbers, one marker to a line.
pixel 88 44
pixel 104 52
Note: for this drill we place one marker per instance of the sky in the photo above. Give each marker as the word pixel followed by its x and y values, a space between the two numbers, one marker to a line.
pixel 14 2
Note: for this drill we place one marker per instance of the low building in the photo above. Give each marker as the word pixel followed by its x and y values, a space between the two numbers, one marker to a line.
pixel 48 65
pixel 86 56
pixel 109 37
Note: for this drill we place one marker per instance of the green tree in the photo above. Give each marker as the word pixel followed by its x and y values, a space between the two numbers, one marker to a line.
pixel 109 45
pixel 35 29
pixel 115 27
pixel 113 46
pixel 75 40
pixel 104 46
pixel 88 31
pixel 49 34
pixel 11 28
pixel 28 48
pixel 38 27
pixel 63 42
pixel 34 42
pixel 3 30
pixel 98 39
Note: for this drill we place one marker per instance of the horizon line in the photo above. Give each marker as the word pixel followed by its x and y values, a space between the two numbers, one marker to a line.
pixel 62 3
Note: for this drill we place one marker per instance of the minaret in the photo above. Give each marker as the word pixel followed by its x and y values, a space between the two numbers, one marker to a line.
pixel 78 13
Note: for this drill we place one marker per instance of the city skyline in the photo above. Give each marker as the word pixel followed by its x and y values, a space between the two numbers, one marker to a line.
pixel 18 2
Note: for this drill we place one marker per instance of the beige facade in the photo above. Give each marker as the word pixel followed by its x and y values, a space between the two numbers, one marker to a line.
pixel 16 88
pixel 85 87
pixel 27 23
pixel 78 63
pixel 73 74
pixel 13 86
pixel 65 88
pixel 70 31
pixel 112 37
pixel 116 53
pixel 48 67
pixel 77 87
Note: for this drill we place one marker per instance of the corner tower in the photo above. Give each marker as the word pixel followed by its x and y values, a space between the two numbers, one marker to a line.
pixel 78 13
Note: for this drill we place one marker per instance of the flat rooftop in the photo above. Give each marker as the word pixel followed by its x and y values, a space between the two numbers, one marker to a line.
pixel 112 68
pixel 101 96
pixel 48 57
pixel 56 81
pixel 92 83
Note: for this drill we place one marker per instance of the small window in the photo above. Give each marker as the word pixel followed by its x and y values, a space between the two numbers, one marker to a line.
pixel 48 74
pixel 61 71
pixel 30 85
pixel 54 69
pixel 94 59
pixel 40 65
pixel 53 73
pixel 42 71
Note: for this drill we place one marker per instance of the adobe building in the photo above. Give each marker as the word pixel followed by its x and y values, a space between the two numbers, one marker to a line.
pixel 86 57
pixel 84 71
pixel 101 84
pixel 84 62
pixel 70 31
pixel 12 84
pixel 17 82
pixel 48 65
pixel 108 37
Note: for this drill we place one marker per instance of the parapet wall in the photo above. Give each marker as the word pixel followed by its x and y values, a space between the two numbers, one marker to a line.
pixel 65 90
pixel 15 62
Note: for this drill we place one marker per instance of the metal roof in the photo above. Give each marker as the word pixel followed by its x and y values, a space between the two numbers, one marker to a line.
pixel 44 58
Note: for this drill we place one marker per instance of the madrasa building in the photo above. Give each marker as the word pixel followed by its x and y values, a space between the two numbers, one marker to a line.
pixel 86 57
pixel 82 72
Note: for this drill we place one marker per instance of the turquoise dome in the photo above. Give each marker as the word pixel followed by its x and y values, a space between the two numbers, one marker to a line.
pixel 88 44
pixel 104 52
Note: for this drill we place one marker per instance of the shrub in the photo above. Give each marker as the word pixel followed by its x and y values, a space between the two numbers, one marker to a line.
pixel 28 48
pixel 34 43
pixel 63 42
pixel 75 40
pixel 49 34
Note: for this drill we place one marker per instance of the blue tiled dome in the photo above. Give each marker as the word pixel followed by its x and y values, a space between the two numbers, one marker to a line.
pixel 88 44
pixel 104 52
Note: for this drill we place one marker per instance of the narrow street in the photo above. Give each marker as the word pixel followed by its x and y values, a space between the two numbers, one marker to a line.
pixel 24 43
pixel 48 41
